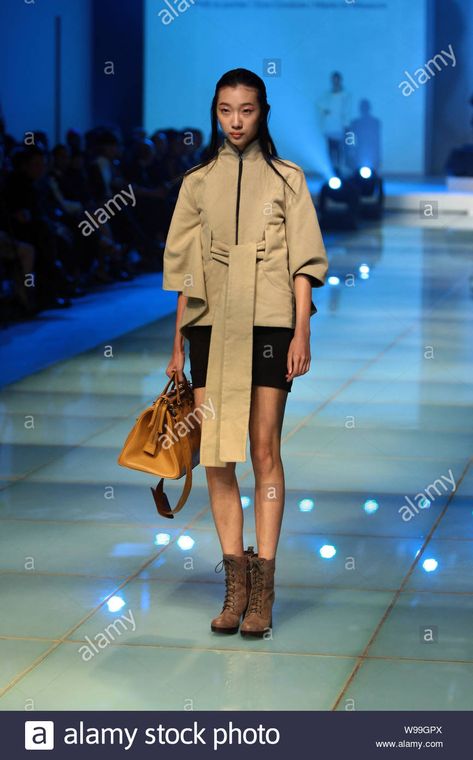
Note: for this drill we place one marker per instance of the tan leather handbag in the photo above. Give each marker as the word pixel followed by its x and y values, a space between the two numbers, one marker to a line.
pixel 165 441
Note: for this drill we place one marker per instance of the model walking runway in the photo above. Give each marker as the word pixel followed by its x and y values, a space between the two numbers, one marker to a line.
pixel 373 425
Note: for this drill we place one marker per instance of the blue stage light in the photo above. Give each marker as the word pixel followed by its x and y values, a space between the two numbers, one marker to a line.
pixel 185 542
pixel 162 539
pixel 115 603
pixel 335 183
pixel 430 564
pixel 364 268
pixel 365 172
pixel 370 506
pixel 333 280
pixel 327 551
pixel 306 505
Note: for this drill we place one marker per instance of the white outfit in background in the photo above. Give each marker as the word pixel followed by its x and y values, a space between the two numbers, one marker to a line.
pixel 338 105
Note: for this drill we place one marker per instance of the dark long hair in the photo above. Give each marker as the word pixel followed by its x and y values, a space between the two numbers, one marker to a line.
pixel 248 78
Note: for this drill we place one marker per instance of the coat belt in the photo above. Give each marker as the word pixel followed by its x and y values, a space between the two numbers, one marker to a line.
pixel 229 370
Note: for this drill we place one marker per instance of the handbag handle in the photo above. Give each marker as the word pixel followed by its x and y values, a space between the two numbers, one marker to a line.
pixel 172 379
pixel 160 498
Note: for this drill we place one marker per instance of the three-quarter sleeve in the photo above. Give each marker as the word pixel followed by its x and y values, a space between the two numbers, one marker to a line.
pixel 306 250
pixel 182 258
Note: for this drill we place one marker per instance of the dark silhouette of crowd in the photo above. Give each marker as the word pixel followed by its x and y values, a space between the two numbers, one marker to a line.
pixel 66 225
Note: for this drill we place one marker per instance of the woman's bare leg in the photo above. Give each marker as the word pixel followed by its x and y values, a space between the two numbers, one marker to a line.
pixel 266 420
pixel 225 500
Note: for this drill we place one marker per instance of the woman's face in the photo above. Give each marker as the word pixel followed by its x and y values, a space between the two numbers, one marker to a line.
pixel 238 112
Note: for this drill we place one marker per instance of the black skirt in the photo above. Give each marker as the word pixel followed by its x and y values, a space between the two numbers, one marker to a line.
pixel 270 348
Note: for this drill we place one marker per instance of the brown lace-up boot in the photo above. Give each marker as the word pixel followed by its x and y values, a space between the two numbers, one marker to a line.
pixel 237 594
pixel 259 618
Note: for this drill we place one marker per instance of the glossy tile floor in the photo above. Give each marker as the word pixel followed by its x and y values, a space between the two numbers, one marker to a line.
pixel 104 605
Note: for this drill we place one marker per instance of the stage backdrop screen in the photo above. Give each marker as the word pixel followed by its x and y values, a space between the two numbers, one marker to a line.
pixel 378 46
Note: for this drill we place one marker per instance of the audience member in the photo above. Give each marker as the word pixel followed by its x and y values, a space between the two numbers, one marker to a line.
pixel 45 195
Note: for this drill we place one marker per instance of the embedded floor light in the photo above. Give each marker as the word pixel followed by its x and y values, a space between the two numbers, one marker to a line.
pixel 115 603
pixel 370 506
pixel 185 542
pixel 306 505
pixel 162 539
pixel 327 551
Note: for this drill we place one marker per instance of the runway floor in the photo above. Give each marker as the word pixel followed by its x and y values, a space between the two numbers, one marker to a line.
pixel 383 418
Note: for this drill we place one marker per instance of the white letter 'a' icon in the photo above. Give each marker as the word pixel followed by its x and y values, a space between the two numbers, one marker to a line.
pixel 39 734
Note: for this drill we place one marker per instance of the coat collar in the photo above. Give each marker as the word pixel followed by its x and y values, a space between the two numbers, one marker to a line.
pixel 252 151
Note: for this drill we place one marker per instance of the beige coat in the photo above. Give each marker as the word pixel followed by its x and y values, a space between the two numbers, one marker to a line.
pixel 237 238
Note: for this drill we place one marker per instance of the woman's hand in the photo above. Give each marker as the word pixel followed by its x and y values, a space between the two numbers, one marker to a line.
pixel 298 356
pixel 178 359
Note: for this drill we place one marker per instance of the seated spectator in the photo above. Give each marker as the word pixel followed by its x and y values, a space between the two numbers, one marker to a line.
pixel 22 258
pixel 101 254
pixel 106 179
pixel 56 179
pixel 19 258
pixel 74 141
pixel 193 147
pixel 26 202
pixel 75 182
pixel 45 255
pixel 153 209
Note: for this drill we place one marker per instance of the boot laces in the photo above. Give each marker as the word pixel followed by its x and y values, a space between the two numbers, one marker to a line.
pixel 257 583
pixel 230 582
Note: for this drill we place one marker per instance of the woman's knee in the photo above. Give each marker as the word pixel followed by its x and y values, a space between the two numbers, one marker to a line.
pixel 222 475
pixel 265 455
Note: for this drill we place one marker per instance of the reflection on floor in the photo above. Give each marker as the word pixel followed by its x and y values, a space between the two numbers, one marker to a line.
pixel 107 606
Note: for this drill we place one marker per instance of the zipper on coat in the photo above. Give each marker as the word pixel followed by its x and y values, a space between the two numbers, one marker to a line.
pixel 240 169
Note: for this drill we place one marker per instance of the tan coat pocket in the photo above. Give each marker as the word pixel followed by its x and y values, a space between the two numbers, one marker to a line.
pixel 275 262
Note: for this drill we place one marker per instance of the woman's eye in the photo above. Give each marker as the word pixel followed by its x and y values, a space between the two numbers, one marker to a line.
pixel 245 110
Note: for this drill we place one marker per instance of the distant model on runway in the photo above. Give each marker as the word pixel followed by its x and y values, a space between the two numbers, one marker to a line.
pixel 334 109
pixel 244 251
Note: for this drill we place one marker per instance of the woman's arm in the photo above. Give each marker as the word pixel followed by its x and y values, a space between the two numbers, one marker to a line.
pixel 298 357
pixel 303 298
pixel 182 264
pixel 178 357
pixel 181 305
pixel 307 253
